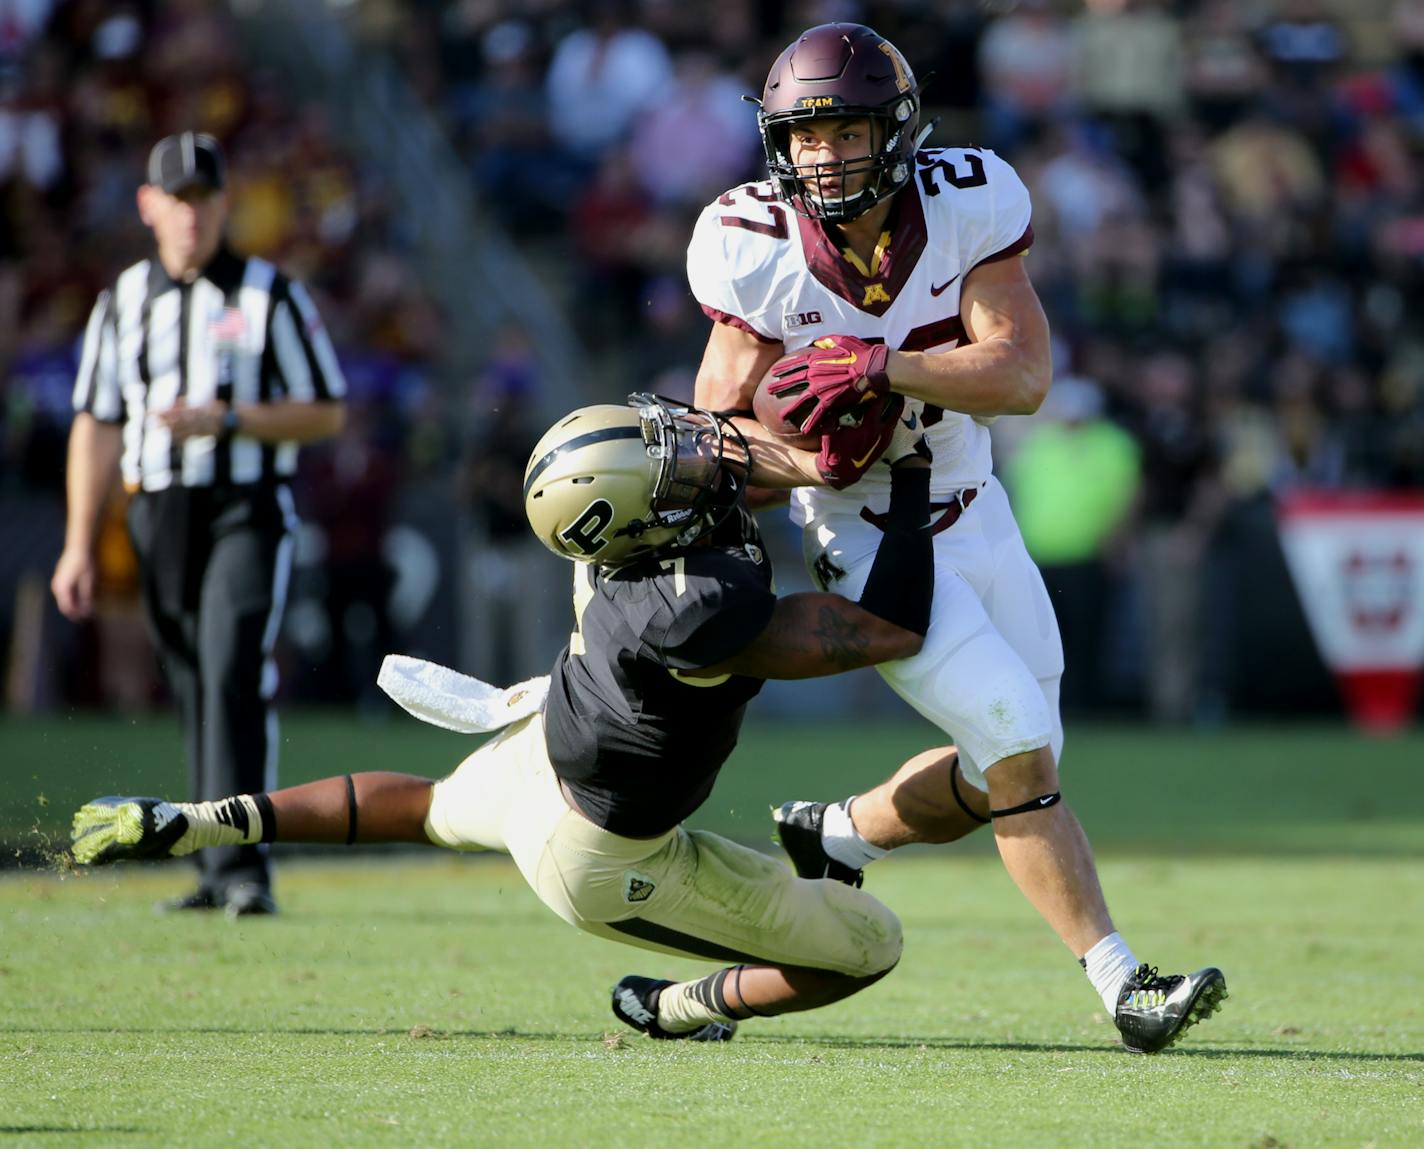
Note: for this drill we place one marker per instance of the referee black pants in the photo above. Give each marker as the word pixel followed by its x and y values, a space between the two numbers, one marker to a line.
pixel 215 566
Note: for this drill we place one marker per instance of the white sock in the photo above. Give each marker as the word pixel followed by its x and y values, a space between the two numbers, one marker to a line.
pixel 842 841
pixel 1108 965
pixel 689 1005
pixel 227 822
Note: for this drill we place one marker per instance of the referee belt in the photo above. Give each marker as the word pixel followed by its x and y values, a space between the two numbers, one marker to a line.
pixel 949 512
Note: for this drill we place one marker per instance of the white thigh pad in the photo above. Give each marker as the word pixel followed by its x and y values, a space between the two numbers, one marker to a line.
pixel 988 672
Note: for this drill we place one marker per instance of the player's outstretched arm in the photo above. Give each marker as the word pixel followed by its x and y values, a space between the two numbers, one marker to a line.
pixel 815 634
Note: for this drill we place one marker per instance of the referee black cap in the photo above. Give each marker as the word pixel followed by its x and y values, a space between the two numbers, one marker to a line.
pixel 188 159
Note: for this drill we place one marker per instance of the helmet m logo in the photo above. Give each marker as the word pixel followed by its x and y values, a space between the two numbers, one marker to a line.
pixel 902 79
pixel 586 532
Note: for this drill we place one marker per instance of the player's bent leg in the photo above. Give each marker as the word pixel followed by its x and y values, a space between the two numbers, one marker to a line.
pixel 709 1008
pixel 926 800
pixel 697 894
pixel 795 944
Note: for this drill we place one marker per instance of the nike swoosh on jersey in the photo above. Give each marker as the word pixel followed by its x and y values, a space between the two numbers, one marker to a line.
pixel 943 287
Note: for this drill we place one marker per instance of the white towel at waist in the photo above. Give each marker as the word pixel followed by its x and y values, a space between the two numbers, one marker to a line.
pixel 446 698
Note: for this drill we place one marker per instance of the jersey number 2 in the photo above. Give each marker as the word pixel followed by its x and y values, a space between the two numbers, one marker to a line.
pixel 943 169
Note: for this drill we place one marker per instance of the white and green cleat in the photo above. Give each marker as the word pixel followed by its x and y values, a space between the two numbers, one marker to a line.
pixel 127 829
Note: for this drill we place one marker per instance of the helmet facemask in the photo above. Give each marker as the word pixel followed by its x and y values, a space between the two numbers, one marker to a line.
pixel 886 167
pixel 690 444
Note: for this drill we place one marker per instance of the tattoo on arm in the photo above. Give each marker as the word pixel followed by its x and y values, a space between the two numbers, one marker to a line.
pixel 842 641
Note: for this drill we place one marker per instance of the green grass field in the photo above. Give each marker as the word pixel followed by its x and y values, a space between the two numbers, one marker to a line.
pixel 429 1000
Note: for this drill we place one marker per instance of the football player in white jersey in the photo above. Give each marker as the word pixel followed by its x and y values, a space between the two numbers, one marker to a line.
pixel 866 266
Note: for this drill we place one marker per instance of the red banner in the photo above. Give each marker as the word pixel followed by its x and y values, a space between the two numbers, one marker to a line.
pixel 1357 560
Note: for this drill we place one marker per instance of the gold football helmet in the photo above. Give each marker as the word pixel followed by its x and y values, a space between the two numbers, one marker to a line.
pixel 610 484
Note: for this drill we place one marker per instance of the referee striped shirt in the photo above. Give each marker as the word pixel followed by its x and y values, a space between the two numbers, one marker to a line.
pixel 242 332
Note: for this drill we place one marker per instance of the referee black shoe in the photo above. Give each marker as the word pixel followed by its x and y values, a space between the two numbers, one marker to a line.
pixel 199 899
pixel 1153 1011
pixel 635 1003
pixel 248 900
pixel 798 829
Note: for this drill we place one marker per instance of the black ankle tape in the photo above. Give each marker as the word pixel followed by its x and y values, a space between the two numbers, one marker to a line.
pixel 351 817
pixel 269 816
pixel 719 996
pixel 1042 803
pixel 963 805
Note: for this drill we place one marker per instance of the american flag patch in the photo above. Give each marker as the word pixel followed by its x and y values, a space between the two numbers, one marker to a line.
pixel 229 328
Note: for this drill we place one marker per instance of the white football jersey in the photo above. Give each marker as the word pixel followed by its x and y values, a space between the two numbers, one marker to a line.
pixel 756 264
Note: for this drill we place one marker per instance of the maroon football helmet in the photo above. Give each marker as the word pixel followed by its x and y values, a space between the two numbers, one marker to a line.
pixel 841 71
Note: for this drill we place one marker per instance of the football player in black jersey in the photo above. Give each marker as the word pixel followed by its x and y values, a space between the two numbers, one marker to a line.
pixel 677 628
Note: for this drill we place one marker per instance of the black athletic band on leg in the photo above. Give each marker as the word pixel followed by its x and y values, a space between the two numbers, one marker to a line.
pixel 269 816
pixel 1042 803
pixel 963 805
pixel 752 1010
pixel 350 811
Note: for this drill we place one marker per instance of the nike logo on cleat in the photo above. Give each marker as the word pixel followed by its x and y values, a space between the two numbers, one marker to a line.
pixel 635 1009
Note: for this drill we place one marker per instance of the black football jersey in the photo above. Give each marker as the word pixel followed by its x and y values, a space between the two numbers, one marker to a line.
pixel 637 746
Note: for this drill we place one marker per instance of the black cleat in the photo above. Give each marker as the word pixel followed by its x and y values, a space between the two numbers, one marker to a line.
pixel 126 829
pixel 249 900
pixel 635 1003
pixel 1152 1011
pixel 798 828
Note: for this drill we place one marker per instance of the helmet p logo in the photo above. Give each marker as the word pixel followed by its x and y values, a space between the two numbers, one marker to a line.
pixel 585 533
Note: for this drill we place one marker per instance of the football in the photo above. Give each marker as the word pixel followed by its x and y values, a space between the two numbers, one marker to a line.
pixel 768 412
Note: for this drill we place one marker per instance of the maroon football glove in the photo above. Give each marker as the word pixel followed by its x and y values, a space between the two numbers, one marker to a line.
pixel 848 452
pixel 833 377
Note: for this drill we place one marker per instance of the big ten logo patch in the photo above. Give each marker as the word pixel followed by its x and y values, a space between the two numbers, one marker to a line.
pixel 794 319
pixel 636 887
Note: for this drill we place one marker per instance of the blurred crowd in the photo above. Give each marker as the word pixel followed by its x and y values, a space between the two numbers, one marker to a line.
pixel 1228 211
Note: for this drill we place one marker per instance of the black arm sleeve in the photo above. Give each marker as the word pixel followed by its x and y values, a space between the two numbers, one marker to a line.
pixel 901 583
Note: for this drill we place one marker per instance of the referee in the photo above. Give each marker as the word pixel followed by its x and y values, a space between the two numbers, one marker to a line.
pixel 202 371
